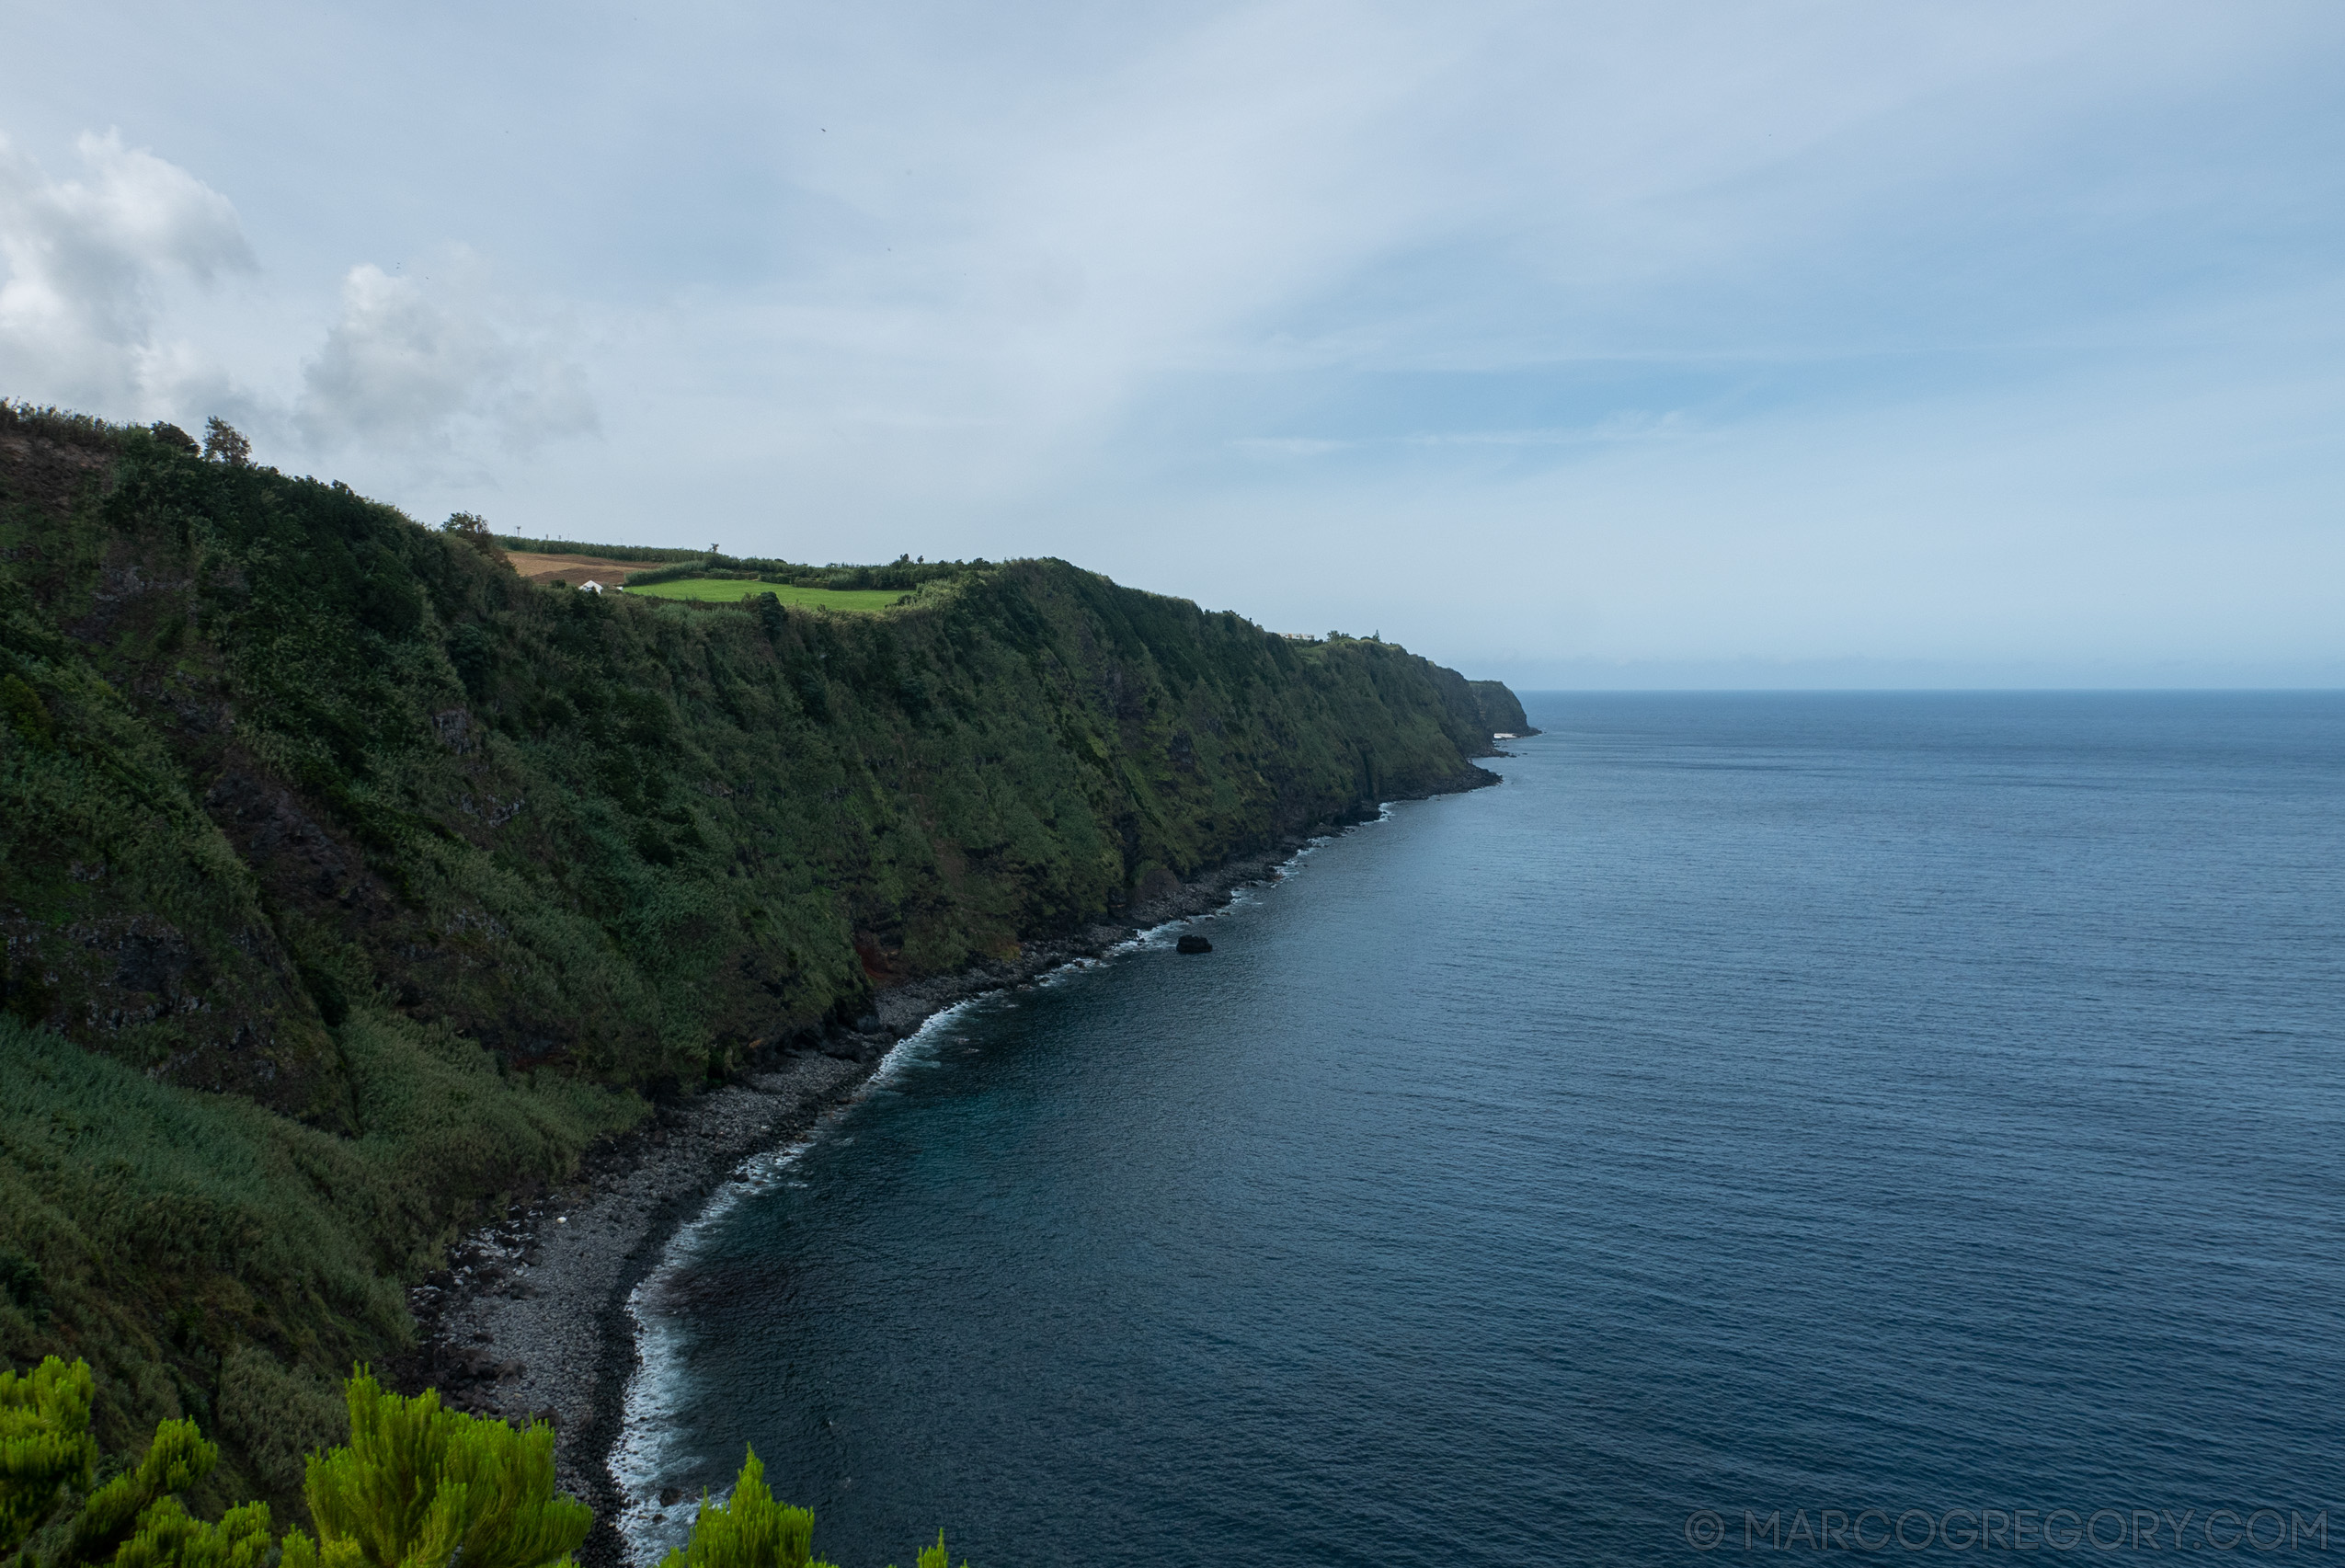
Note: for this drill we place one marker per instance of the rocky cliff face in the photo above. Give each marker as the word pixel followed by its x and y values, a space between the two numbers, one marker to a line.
pixel 1501 712
pixel 275 747
pixel 375 882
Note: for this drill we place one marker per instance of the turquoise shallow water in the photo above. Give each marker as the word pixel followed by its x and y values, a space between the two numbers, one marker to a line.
pixel 1786 1106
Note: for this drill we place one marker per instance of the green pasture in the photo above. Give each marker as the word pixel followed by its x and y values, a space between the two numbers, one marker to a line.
pixel 732 590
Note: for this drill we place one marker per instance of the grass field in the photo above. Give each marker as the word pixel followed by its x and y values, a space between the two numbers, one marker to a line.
pixel 732 590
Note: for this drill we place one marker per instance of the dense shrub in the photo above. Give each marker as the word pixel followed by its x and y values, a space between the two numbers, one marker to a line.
pixel 750 1530
pixel 179 1233
pixel 422 1485
pixel 134 1518
pixel 416 1486
pixel 45 1444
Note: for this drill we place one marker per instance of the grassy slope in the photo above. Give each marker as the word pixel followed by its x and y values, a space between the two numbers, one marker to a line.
pixel 213 1258
pixel 425 874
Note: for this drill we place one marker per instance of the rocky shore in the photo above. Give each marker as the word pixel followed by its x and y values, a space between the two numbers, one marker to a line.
pixel 530 1318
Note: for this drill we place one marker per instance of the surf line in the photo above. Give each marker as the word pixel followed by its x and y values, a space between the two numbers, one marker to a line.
pixel 644 1455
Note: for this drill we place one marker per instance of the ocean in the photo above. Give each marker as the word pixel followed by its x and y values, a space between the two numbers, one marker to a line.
pixel 1764 1123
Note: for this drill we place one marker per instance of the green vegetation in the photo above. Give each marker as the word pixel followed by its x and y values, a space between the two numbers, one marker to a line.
pixel 900 577
pixel 350 886
pixel 748 1529
pixel 732 590
pixel 45 1444
pixel 1502 711
pixel 181 1237
pixel 55 1513
pixel 417 1486
pixel 648 553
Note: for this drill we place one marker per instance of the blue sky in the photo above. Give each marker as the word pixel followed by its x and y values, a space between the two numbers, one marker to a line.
pixel 1754 343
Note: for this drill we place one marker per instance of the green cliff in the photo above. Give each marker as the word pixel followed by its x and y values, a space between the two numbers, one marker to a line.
pixel 1500 711
pixel 347 882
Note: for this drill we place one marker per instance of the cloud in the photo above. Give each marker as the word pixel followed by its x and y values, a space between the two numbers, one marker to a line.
pixel 88 262
pixel 440 363
pixel 110 304
pixel 1627 426
pixel 1662 306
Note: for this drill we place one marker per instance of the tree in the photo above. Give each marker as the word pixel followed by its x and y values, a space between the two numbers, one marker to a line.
pixel 177 1460
pixel 31 717
pixel 771 617
pixel 222 442
pixel 45 1444
pixel 169 1537
pixel 749 1529
pixel 474 529
pixel 417 1487
pixel 134 1521
pixel 419 1484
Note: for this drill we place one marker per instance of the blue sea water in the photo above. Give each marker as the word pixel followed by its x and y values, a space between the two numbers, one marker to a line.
pixel 1759 1105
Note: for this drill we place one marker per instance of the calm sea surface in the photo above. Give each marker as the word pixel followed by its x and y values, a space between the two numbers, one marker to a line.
pixel 1794 1106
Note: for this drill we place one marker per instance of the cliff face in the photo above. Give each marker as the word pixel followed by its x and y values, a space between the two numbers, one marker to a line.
pixel 281 748
pixel 1501 712
pixel 303 803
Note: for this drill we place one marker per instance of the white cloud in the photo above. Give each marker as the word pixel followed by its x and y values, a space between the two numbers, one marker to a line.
pixel 1655 303
pixel 88 262
pixel 439 364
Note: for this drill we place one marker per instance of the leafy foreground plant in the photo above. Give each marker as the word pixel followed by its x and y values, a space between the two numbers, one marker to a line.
pixel 47 1455
pixel 750 1530
pixel 45 1444
pixel 418 1486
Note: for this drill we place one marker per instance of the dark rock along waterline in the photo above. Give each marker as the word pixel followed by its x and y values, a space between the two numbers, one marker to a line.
pixel 534 1317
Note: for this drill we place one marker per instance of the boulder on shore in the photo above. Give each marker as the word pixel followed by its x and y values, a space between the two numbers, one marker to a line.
pixel 1193 944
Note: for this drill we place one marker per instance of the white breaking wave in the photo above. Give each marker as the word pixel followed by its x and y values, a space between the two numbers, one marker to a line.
pixel 649 1455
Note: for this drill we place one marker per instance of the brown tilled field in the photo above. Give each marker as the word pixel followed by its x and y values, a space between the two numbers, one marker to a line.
pixel 576 569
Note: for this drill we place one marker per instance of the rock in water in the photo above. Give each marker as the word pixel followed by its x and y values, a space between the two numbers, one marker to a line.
pixel 1193 945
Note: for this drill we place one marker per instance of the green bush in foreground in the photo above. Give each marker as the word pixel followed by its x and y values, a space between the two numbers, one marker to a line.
pixel 749 1529
pixel 45 1444
pixel 169 1537
pixel 177 1460
pixel 135 1520
pixel 418 1486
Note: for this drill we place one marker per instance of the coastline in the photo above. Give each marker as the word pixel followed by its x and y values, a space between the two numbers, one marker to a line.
pixel 530 1316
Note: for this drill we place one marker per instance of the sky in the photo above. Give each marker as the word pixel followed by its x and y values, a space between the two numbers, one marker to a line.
pixel 1742 343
